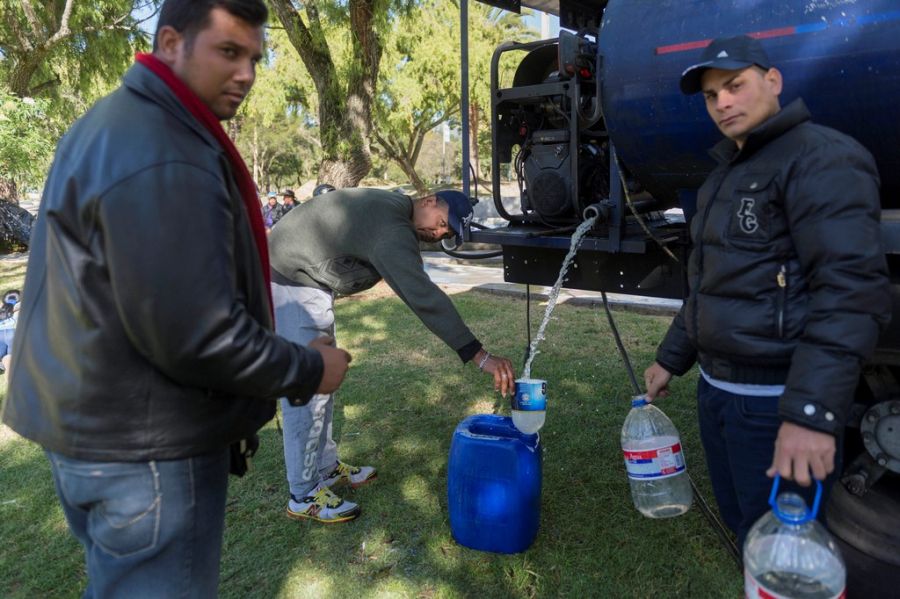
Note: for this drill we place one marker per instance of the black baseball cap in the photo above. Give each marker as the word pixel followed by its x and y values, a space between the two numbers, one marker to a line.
pixel 728 54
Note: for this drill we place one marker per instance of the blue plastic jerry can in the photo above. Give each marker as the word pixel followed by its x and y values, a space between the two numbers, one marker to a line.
pixel 494 485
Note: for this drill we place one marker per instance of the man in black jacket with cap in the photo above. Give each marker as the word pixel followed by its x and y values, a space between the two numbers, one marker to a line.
pixel 788 285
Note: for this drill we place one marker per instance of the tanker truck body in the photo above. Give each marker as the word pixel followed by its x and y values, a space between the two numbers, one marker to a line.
pixel 594 124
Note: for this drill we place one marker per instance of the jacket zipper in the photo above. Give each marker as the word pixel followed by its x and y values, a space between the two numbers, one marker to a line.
pixel 781 279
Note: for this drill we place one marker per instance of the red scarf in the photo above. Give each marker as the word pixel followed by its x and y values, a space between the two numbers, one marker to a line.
pixel 244 181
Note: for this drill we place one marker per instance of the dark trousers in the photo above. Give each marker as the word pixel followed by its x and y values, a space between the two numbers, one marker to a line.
pixel 738 434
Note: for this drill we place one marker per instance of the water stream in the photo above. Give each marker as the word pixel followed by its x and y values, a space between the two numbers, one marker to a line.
pixel 577 238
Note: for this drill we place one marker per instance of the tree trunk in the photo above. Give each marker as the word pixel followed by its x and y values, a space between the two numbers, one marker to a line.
pixel 409 170
pixel 256 169
pixel 268 159
pixel 341 173
pixel 15 227
pixel 405 158
pixel 9 192
pixel 26 65
pixel 345 115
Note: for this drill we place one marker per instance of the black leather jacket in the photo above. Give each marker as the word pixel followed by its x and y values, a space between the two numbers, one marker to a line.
pixel 145 331
pixel 788 280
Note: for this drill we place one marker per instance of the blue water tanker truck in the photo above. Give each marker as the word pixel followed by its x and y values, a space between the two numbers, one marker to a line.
pixel 593 124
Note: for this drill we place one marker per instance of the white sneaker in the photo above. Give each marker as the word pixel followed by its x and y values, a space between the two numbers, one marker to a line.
pixel 322 505
pixel 357 476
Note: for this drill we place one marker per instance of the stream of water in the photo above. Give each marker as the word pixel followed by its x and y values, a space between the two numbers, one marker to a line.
pixel 577 238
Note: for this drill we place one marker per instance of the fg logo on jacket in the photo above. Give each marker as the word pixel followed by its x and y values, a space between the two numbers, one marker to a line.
pixel 747 217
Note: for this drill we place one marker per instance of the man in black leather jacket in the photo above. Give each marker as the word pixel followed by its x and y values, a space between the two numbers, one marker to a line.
pixel 146 347
pixel 788 285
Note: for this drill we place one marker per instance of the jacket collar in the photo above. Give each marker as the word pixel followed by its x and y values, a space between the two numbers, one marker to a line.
pixel 140 80
pixel 782 121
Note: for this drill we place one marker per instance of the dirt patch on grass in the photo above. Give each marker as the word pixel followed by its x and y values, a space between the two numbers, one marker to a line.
pixel 7 435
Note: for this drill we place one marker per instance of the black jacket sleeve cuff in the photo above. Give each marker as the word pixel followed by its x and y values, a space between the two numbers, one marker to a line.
pixel 468 351
pixel 316 368
pixel 812 415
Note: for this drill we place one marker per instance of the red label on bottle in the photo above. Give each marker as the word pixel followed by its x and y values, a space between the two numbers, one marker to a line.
pixel 753 589
pixel 654 463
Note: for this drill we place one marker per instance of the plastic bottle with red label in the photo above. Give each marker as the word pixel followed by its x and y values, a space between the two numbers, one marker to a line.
pixel 789 555
pixel 654 461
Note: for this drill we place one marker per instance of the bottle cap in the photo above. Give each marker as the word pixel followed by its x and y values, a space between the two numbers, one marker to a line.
pixel 639 401
pixel 790 507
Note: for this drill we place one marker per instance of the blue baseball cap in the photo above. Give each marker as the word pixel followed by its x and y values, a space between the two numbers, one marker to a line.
pixel 460 209
pixel 272 194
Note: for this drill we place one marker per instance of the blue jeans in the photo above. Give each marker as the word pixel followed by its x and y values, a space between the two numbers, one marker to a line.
pixel 738 434
pixel 6 341
pixel 149 529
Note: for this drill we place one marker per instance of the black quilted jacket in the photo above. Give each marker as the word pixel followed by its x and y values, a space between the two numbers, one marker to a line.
pixel 788 280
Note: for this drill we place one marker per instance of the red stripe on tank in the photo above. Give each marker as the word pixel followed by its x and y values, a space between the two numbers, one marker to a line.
pixel 781 32
pixel 684 46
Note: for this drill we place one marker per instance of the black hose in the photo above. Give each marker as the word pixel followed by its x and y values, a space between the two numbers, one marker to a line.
pixel 717 525
pixel 472 255
pixel 622 352
pixel 527 324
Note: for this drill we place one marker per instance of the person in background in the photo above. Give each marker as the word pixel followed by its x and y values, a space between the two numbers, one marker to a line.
pixel 271 211
pixel 288 201
pixel 9 318
pixel 145 374
pixel 788 285
pixel 339 243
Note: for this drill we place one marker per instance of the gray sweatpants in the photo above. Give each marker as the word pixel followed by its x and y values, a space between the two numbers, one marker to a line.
pixel 301 315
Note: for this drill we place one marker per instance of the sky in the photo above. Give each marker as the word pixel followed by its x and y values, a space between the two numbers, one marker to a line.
pixel 534 22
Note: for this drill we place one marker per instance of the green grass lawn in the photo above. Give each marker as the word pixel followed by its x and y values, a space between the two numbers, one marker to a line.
pixel 397 410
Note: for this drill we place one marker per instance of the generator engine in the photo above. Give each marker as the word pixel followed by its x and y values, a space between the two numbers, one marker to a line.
pixel 551 119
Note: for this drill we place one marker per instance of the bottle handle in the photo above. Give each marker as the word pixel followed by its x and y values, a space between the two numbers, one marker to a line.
pixel 807 516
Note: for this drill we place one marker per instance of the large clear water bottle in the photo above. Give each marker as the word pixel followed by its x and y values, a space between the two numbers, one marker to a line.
pixel 788 554
pixel 660 487
pixel 529 405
